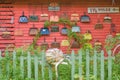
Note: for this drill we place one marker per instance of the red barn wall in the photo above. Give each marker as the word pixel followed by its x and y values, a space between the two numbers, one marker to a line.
pixel 97 34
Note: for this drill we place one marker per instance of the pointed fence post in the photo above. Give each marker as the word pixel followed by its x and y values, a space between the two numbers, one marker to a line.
pixel 0 63
pixel 29 65
pixel 73 65
pixel 22 66
pixel 87 64
pixel 109 66
pixel 36 67
pixel 14 65
pixel 102 65
pixel 80 64
pixel 43 65
pixel 50 72
pixel 95 64
pixel 7 57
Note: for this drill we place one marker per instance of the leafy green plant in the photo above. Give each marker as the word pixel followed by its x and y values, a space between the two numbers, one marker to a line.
pixel 66 21
pixel 47 24
pixel 111 42
pixel 63 71
pixel 85 44
pixel 116 67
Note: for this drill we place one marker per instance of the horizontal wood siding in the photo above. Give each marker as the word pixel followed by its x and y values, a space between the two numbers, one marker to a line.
pixel 70 7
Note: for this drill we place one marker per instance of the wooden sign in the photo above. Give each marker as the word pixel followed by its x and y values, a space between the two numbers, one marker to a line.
pixel 53 8
pixel 103 10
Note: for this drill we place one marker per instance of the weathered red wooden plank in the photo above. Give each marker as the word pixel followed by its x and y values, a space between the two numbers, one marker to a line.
pixel 6 41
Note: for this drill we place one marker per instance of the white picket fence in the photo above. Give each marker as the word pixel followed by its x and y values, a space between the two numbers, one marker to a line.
pixel 25 65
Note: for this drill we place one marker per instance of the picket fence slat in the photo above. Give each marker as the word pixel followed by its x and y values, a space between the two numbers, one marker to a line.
pixel 36 67
pixel 0 64
pixel 14 64
pixel 109 65
pixel 29 65
pixel 87 64
pixel 7 65
pixel 73 65
pixel 22 67
pixel 50 72
pixel 102 65
pixel 95 65
pixel 80 64
pixel 43 65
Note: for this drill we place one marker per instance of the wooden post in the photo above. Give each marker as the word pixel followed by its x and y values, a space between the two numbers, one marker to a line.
pixel 80 64
pixel 36 67
pixel 0 64
pixel 29 65
pixel 102 65
pixel 50 72
pixel 22 66
pixel 43 64
pixel 87 64
pixel 95 65
pixel 7 64
pixel 73 65
pixel 14 64
pixel 109 66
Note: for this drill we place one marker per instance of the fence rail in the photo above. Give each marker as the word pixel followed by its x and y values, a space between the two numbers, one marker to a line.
pixel 32 67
